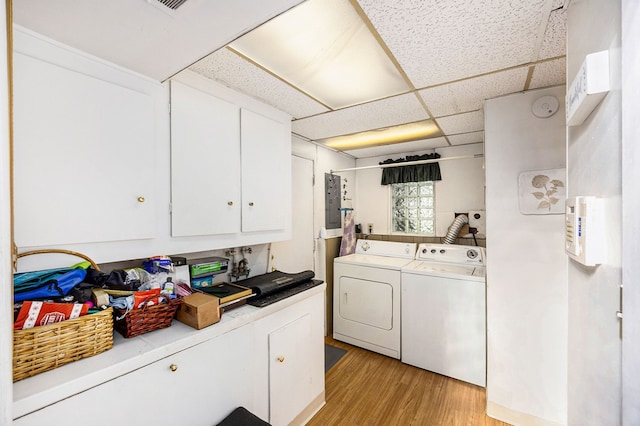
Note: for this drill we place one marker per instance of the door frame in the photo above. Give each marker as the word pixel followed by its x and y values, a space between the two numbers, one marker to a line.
pixel 312 235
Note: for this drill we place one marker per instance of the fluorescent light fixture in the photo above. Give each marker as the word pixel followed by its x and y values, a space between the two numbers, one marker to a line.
pixel 389 135
pixel 324 49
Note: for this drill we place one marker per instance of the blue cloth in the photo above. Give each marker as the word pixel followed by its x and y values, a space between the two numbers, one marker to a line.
pixel 124 303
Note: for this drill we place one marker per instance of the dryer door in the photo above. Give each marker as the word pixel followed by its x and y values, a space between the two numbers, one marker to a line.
pixel 366 302
pixel 366 309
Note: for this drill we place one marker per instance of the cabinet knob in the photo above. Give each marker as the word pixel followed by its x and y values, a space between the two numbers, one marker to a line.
pixel 141 199
pixel 173 367
pixel 280 358
pixel 251 204
pixel 229 203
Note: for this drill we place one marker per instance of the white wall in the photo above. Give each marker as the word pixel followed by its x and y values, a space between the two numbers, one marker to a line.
pixel 631 204
pixel 594 161
pixel 460 190
pixel 526 267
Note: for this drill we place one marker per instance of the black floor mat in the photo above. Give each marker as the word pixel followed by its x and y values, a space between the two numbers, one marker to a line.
pixel 332 355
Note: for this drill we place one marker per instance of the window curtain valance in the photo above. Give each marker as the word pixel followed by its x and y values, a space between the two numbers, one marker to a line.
pixel 411 173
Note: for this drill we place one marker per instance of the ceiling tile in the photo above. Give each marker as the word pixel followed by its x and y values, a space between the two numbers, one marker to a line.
pixel 468 95
pixel 394 149
pixel 466 138
pixel 554 42
pixel 551 73
pixel 231 70
pixel 462 123
pixel 374 115
pixel 436 41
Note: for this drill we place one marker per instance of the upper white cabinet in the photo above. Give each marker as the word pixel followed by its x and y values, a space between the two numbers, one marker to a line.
pixel 205 163
pixel 103 167
pixel 84 162
pixel 266 172
pixel 230 165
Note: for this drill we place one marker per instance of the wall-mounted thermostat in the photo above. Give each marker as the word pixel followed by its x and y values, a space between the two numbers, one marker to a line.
pixel 584 240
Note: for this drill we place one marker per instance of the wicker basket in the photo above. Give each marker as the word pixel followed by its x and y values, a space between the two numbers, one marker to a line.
pixel 148 318
pixel 39 349
pixel 43 348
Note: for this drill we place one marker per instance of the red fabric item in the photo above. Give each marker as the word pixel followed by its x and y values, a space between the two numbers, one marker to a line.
pixel 33 314
pixel 139 298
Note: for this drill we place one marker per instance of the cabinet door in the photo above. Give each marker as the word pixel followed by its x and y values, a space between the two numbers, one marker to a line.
pixel 266 173
pixel 84 159
pixel 290 370
pixel 205 163
pixel 198 386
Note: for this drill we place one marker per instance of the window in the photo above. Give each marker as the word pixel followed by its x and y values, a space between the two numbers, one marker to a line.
pixel 412 210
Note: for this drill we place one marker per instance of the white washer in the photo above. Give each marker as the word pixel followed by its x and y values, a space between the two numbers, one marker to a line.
pixel 443 311
pixel 366 295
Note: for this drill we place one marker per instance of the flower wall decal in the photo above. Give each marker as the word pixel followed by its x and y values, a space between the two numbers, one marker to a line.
pixel 550 186
pixel 542 191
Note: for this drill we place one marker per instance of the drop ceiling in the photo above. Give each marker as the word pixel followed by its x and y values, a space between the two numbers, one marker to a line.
pixel 453 55
pixel 450 55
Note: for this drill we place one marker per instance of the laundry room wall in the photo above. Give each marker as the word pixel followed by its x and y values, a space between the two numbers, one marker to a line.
pixel 594 164
pixel 460 190
pixel 324 160
pixel 526 267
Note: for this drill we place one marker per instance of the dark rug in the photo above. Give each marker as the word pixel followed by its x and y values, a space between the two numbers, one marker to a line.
pixel 332 355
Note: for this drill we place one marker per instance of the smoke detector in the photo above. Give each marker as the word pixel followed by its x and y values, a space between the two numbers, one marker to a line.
pixel 545 106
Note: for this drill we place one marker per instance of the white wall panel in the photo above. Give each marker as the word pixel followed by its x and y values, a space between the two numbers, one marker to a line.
pixel 526 267
pixel 594 162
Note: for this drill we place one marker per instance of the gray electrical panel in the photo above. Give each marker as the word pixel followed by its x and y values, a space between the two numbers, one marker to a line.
pixel 332 201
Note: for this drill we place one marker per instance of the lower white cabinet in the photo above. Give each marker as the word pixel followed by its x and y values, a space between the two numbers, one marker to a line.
pixel 295 361
pixel 197 386
pixel 271 363
pixel 290 370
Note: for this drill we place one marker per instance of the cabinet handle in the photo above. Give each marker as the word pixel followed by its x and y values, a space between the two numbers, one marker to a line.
pixel 280 358
pixel 173 367
pixel 141 199
pixel 229 203
pixel 251 204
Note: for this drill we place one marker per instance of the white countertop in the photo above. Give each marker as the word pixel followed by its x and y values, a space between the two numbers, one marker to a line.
pixel 127 355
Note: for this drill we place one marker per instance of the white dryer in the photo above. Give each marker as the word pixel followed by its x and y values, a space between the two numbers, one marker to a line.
pixel 366 295
pixel 443 311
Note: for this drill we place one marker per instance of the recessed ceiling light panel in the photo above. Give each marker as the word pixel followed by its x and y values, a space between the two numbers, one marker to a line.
pixel 324 49
pixel 390 135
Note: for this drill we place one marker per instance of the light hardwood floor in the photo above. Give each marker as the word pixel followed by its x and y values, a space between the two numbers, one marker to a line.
pixel 365 388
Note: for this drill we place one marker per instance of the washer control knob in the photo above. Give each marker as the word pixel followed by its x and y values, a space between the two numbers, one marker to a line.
pixel 424 251
pixel 472 254
pixel 433 250
pixel 365 246
pixel 442 251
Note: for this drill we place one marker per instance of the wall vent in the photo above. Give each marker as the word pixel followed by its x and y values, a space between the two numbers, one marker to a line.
pixel 172 4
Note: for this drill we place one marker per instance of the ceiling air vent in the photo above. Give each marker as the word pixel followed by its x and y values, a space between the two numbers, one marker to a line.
pixel 172 4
